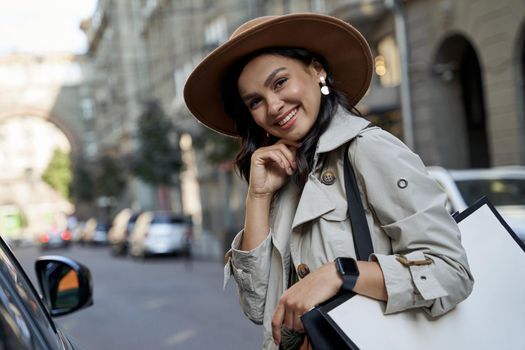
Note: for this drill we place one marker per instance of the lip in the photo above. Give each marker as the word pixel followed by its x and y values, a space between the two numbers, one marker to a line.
pixel 289 123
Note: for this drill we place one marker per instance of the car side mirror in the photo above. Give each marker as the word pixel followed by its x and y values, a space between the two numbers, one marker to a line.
pixel 66 284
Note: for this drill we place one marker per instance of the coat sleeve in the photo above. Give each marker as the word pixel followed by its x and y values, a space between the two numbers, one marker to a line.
pixel 250 271
pixel 428 266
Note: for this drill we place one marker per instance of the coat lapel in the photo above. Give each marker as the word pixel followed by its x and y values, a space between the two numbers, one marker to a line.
pixel 282 213
pixel 314 202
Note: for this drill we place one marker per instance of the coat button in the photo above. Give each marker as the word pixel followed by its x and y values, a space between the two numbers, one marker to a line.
pixel 328 177
pixel 303 270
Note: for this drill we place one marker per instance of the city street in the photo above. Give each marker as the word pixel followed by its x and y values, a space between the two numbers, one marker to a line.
pixel 162 303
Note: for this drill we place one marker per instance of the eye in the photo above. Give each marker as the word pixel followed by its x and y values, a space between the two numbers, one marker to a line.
pixel 254 103
pixel 280 82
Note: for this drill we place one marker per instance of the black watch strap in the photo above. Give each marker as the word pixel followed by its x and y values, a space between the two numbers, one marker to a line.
pixel 349 272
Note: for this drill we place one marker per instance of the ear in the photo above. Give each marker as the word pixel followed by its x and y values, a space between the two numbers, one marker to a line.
pixel 318 68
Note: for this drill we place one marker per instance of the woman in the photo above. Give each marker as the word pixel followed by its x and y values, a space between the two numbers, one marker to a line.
pixel 286 85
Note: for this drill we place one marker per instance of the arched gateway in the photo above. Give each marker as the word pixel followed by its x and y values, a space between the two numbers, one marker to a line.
pixel 39 112
pixel 458 100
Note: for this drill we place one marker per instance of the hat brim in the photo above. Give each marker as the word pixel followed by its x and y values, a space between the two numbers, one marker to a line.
pixel 344 48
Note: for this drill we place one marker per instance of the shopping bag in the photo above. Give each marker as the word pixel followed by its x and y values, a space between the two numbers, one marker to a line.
pixel 492 317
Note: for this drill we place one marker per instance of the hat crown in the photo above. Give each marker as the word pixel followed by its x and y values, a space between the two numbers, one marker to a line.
pixel 250 24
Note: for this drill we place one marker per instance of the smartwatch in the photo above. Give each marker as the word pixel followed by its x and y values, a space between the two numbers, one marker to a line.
pixel 348 270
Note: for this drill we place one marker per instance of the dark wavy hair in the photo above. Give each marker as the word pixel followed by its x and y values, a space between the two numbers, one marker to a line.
pixel 253 136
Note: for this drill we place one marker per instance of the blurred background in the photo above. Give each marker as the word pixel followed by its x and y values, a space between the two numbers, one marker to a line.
pixel 98 149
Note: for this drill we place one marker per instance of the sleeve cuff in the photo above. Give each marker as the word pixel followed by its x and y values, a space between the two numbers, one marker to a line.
pixel 243 264
pixel 408 286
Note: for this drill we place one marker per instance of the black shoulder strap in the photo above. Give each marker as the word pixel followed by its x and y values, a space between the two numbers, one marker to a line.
pixel 356 213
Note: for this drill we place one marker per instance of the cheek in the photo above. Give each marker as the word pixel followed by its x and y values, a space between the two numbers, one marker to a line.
pixel 310 92
pixel 297 91
pixel 258 118
pixel 314 99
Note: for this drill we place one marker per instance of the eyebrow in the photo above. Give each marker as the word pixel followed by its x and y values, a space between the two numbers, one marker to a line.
pixel 267 82
pixel 272 75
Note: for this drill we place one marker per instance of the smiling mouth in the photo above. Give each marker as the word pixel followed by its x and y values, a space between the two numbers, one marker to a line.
pixel 288 117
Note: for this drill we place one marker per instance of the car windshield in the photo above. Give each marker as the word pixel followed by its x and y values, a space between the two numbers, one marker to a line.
pixel 499 191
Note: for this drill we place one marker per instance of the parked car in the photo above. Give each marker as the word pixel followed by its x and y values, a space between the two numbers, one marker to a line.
pixel 26 318
pixel 87 230
pixel 503 186
pixel 158 233
pixel 100 235
pixel 120 232
pixel 55 237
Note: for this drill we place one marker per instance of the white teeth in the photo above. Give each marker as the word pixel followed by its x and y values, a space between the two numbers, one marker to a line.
pixel 288 117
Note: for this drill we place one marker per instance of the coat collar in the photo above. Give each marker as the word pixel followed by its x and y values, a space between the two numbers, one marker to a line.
pixel 343 128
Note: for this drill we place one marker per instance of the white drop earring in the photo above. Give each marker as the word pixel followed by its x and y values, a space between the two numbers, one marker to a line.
pixel 324 89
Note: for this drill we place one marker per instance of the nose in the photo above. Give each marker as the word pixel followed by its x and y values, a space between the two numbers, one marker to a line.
pixel 275 105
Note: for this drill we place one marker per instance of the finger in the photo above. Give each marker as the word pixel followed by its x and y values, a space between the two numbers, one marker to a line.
pixel 297 323
pixel 304 345
pixel 284 163
pixel 275 156
pixel 289 153
pixel 289 318
pixel 277 321
pixel 284 155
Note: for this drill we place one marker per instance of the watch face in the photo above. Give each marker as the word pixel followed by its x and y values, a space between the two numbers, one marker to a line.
pixel 348 266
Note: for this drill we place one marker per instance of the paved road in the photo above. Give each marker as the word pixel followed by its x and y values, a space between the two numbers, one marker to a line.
pixel 162 303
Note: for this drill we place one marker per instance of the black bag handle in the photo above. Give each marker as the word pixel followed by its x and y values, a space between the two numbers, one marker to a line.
pixel 320 331
pixel 356 213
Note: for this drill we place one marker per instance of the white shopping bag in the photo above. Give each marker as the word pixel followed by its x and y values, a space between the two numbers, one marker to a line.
pixel 492 317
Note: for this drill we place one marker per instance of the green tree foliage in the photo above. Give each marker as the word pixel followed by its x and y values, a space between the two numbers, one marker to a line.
pixel 110 178
pixel 82 188
pixel 218 148
pixel 158 157
pixel 58 173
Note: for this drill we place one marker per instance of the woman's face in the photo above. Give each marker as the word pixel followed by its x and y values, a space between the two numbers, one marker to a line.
pixel 282 94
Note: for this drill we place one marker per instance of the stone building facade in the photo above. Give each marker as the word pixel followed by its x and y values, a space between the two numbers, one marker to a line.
pixel 467 81
pixel 464 81
pixel 117 86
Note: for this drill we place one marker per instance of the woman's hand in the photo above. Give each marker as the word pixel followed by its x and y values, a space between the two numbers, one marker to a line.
pixel 319 286
pixel 270 168
pixel 316 287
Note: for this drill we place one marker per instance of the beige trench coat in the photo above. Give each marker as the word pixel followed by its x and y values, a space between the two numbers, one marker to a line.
pixel 313 228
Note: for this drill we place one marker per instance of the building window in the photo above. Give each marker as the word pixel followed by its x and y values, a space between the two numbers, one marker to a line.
pixel 87 108
pixel 180 76
pixel 216 32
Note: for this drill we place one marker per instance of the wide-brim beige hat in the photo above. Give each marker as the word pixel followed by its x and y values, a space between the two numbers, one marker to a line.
pixel 344 48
